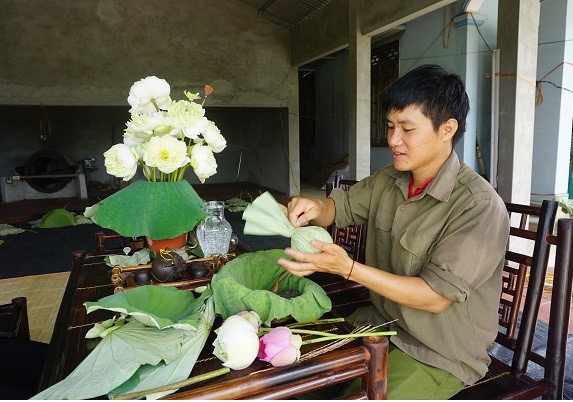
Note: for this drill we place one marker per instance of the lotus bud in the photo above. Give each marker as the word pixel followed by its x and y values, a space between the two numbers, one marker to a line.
pixel 252 317
pixel 237 343
pixel 302 236
pixel 280 347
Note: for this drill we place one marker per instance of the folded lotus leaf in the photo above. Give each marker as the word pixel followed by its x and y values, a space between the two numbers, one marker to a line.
pixel 159 210
pixel 264 216
pixel 243 285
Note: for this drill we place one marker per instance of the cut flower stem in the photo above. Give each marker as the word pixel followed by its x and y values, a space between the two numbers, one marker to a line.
pixel 331 337
pixel 326 336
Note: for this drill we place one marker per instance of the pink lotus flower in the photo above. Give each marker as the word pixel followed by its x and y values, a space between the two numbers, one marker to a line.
pixel 280 347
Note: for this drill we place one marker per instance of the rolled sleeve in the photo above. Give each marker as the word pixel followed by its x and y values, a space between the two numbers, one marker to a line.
pixel 445 283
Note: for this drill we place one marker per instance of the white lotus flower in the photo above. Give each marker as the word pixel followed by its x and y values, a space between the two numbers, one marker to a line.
pixel 120 161
pixel 148 95
pixel 213 137
pixel 187 118
pixel 145 125
pixel 203 161
pixel 165 153
pixel 237 343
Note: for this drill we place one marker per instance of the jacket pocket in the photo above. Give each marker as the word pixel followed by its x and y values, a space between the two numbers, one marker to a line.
pixel 416 249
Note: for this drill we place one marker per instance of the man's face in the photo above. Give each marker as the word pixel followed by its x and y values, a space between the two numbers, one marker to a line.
pixel 415 146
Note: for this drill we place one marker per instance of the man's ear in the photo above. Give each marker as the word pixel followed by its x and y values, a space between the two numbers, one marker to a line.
pixel 449 128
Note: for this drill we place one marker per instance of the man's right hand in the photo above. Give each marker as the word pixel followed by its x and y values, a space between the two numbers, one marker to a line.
pixel 301 211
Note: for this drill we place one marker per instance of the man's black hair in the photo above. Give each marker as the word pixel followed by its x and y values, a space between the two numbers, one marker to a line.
pixel 439 93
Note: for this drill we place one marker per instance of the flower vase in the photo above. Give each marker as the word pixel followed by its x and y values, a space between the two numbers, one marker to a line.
pixel 174 243
pixel 214 231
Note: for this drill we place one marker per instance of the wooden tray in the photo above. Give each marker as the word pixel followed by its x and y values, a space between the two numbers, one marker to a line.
pixel 123 278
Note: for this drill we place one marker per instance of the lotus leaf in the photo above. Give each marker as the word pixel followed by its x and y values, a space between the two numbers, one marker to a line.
pixel 265 216
pixel 155 306
pixel 115 359
pixel 148 376
pixel 160 210
pixel 138 258
pixel 6 229
pixel 244 283
pixel 57 218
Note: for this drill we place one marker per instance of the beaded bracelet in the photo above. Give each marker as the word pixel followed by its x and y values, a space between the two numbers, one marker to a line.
pixel 351 268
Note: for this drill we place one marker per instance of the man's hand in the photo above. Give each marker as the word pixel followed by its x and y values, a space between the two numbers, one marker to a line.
pixel 331 258
pixel 302 211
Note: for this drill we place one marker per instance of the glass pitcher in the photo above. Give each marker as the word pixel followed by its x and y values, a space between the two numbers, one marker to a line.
pixel 214 231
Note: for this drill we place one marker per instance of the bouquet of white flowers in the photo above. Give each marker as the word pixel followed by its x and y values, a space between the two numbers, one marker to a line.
pixel 165 136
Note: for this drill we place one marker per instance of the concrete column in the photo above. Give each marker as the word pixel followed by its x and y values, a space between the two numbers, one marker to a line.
pixel 293 168
pixel 517 40
pixel 554 115
pixel 359 95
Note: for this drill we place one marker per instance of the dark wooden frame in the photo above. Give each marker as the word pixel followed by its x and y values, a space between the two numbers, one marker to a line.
pixel 90 280
pixel 14 319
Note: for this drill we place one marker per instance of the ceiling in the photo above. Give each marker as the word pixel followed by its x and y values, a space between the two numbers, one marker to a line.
pixel 287 13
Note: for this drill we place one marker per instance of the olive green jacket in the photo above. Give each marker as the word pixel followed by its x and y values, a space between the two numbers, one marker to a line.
pixel 453 235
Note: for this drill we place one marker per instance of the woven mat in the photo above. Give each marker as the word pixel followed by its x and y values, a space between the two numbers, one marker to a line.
pixel 44 295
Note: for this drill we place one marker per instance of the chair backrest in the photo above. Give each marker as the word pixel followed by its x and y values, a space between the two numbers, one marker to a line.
pixel 561 300
pixel 353 237
pixel 510 380
pixel 114 242
pixel 520 264
pixel 14 319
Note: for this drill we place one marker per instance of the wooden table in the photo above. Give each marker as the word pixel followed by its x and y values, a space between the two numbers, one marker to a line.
pixel 90 280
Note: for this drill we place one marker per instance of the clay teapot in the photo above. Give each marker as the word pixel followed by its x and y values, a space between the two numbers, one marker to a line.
pixel 167 266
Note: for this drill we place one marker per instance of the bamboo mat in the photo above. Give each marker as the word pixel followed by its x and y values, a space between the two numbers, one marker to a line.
pixel 44 295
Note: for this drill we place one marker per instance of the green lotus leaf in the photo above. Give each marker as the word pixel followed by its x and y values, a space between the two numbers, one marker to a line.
pixel 57 218
pixel 148 376
pixel 6 229
pixel 244 282
pixel 155 306
pixel 160 210
pixel 115 359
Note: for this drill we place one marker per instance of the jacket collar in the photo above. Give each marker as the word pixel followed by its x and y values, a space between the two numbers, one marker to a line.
pixel 441 187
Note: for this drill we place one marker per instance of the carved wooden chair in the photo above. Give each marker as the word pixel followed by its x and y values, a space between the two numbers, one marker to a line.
pixel 353 237
pixel 512 381
pixel 23 358
pixel 112 242
pixel 14 319
pixel 518 265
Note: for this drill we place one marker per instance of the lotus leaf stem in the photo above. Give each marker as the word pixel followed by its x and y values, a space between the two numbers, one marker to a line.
pixel 175 385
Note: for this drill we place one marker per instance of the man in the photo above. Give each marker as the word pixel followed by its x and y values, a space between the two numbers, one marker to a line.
pixel 436 238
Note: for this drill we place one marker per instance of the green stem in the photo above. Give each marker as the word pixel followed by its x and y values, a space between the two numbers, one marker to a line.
pixel 175 385
pixel 344 336
pixel 319 322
